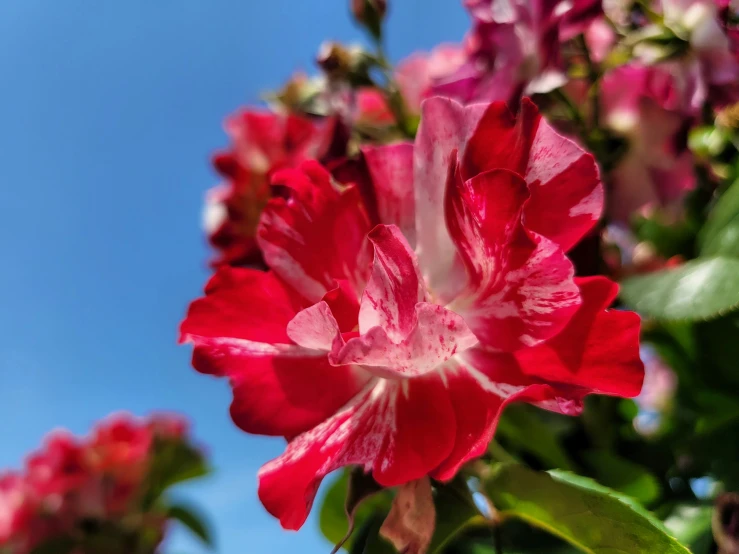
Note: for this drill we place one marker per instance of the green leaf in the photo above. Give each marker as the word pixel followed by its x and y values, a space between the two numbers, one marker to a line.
pixel 174 462
pixel 368 539
pixel 333 519
pixel 623 475
pixel 699 290
pixel 361 486
pixel 725 242
pixel 719 234
pixel 587 515
pixel 455 512
pixel 523 427
pixel 188 517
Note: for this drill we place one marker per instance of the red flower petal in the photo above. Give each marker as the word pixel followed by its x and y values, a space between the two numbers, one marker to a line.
pixel 317 234
pixel 239 331
pixel 445 127
pixel 521 288
pixel 400 332
pixel 242 304
pixel 566 193
pixel 395 287
pixel 598 349
pixel 399 430
pixel 391 169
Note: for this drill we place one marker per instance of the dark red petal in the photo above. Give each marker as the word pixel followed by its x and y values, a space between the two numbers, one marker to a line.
pixel 501 140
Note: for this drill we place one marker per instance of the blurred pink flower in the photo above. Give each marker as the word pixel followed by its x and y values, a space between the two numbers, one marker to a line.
pixel 514 48
pixel 650 108
pixel 713 46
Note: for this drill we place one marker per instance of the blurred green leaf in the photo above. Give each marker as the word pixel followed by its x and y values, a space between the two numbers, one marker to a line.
pixel 368 539
pixel 174 462
pixel 623 475
pixel 587 515
pixel 523 427
pixel 699 290
pixel 720 234
pixel 193 521
pixel 455 512
pixel 333 519
pixel 691 525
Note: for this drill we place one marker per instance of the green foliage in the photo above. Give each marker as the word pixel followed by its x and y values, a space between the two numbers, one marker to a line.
pixel 623 475
pixel 699 290
pixel 720 235
pixel 174 462
pixel 333 519
pixel 193 521
pixel 587 515
pixel 526 429
pixel 455 512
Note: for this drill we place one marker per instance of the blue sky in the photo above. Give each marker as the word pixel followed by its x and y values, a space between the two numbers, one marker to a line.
pixel 109 111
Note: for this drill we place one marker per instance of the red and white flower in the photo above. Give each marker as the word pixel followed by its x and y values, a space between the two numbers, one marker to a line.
pixel 262 142
pixel 392 338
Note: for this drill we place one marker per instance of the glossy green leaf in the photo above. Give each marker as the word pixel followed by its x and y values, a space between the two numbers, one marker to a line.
pixel 699 290
pixel 623 475
pixel 589 516
pixel 193 521
pixel 719 234
pixel 333 519
pixel 455 512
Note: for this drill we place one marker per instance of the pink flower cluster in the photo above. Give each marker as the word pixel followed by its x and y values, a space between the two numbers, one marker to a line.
pixel 73 481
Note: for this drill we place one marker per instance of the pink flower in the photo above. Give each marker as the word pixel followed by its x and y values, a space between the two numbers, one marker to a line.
pixel 395 346
pixel 514 48
pixel 651 109
pixel 262 143
pixel 711 46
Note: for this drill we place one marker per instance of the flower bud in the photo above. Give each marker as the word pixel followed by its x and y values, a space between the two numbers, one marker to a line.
pixel 370 13
pixel 334 59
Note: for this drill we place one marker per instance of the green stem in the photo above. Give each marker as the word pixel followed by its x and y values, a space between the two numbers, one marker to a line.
pixel 594 80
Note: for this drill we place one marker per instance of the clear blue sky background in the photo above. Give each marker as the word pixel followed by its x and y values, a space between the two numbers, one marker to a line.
pixel 109 110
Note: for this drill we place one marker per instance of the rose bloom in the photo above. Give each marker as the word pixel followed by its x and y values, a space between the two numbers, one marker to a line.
pixel 393 341
pixel 714 52
pixel 514 48
pixel 261 143
pixel 652 109
pixel 73 479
